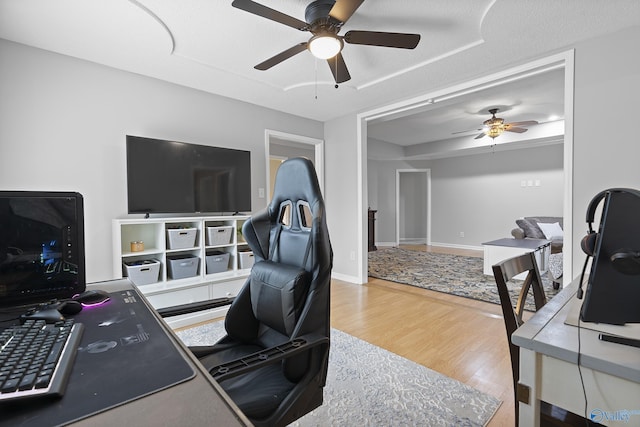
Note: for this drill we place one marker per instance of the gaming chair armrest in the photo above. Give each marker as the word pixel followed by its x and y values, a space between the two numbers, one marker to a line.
pixel 193 307
pixel 267 356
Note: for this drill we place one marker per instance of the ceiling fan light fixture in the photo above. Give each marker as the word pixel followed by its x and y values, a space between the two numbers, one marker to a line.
pixel 494 131
pixel 325 46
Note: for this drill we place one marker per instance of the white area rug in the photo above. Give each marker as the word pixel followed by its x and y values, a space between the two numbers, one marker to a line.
pixel 370 386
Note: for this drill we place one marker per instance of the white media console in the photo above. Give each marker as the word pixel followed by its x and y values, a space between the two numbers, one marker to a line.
pixel 181 260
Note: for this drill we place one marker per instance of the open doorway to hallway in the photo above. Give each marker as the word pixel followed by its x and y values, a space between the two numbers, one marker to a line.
pixel 281 146
pixel 413 206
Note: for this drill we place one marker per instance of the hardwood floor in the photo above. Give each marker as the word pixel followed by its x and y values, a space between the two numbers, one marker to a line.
pixel 458 337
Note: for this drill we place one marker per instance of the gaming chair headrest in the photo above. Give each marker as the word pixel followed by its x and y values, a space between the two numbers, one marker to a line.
pixel 296 180
pixel 626 261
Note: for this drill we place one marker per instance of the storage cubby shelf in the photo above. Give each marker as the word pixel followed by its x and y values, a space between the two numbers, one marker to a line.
pixel 165 239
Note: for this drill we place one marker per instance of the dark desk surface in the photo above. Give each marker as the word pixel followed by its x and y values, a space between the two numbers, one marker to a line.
pixel 196 400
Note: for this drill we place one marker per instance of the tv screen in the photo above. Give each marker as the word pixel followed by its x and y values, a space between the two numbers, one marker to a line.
pixel 176 177
pixel 41 247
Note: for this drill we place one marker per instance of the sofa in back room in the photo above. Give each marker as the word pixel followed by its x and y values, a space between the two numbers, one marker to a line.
pixel 529 227
pixel 551 229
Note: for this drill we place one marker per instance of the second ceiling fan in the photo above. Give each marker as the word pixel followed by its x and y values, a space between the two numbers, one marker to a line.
pixel 495 126
pixel 324 19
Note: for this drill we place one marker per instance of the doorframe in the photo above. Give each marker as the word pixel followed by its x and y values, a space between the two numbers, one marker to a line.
pixel 565 60
pixel 427 173
pixel 317 144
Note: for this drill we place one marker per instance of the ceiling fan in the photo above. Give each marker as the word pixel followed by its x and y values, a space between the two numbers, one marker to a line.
pixel 495 126
pixel 324 19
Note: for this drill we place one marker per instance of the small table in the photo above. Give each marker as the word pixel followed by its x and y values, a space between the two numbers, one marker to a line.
pixel 549 349
pixel 501 249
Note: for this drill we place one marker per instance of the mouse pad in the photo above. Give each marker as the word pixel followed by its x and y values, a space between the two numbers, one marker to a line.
pixel 124 354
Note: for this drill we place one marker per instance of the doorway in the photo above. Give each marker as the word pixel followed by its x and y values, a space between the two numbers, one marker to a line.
pixel 413 206
pixel 563 61
pixel 280 146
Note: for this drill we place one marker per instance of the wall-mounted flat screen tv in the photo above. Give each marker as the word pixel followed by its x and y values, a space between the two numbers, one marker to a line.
pixel 176 177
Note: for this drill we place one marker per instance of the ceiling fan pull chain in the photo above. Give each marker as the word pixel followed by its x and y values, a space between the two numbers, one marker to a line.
pixel 316 76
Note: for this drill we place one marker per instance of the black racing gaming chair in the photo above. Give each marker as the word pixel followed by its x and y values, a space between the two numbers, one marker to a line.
pixel 273 360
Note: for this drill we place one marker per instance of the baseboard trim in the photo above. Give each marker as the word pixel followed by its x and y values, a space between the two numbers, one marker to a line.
pixel 452 245
pixel 442 245
pixel 385 244
pixel 413 241
pixel 346 278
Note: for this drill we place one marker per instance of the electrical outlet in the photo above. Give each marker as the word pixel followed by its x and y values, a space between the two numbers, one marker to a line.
pixel 461 234
pixel 261 193
pixel 352 255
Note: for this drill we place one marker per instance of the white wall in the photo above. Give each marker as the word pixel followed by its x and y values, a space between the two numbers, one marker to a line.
pixel 341 196
pixel 482 195
pixel 606 142
pixel 606 148
pixel 54 108
pixel 479 195
pixel 63 123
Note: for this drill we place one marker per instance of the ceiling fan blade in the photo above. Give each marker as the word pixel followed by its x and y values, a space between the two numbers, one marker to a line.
pixel 275 60
pixel 266 12
pixel 343 9
pixel 376 38
pixel 465 131
pixel 482 134
pixel 525 123
pixel 339 68
pixel 515 129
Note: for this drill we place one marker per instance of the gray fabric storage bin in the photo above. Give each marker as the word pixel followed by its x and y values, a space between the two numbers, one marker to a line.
pixel 181 238
pixel 245 259
pixel 217 262
pixel 219 235
pixel 181 267
pixel 142 272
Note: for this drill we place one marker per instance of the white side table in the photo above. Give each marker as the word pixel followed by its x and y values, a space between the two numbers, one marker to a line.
pixel 501 249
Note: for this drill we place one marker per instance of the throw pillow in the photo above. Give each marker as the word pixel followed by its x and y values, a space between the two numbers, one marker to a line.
pixel 530 228
pixel 551 231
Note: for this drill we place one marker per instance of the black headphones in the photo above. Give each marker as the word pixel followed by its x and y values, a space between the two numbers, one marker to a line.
pixel 624 260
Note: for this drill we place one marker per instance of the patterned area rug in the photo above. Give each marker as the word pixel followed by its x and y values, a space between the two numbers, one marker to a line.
pixel 452 274
pixel 370 386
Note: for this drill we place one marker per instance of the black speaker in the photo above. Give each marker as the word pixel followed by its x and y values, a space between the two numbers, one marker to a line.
pixel 613 289
pixel 625 260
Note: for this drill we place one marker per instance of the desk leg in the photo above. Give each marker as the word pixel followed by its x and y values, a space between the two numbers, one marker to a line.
pixel 530 371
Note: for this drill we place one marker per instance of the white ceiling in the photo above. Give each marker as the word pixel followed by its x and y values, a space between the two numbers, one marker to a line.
pixel 211 46
pixel 539 98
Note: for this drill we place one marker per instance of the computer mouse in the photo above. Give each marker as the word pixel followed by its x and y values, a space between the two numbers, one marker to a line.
pixel 69 307
pixel 92 297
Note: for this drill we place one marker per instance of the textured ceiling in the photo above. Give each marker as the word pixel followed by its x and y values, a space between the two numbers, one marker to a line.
pixel 211 46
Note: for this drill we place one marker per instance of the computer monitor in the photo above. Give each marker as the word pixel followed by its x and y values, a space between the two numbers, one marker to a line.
pixel 42 253
pixel 613 289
